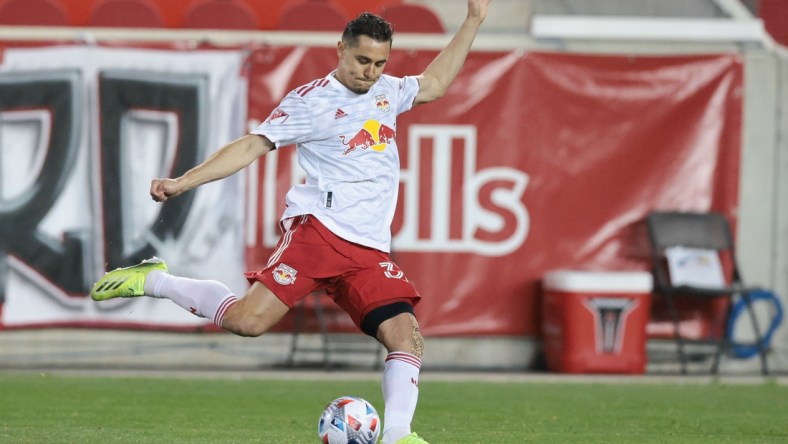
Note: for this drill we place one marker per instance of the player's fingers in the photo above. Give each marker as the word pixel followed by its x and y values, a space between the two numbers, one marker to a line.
pixel 157 191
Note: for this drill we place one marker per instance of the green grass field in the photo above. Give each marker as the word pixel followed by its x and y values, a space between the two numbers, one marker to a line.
pixel 39 408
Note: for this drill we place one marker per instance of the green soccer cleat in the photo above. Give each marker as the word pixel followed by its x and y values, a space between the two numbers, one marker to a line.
pixel 412 439
pixel 126 282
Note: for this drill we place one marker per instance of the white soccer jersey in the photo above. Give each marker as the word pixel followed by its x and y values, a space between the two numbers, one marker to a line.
pixel 347 146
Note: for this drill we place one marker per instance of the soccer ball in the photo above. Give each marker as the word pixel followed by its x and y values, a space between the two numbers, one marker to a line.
pixel 349 420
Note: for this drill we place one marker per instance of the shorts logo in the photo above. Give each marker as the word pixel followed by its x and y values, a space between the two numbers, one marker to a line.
pixel 392 271
pixel 284 274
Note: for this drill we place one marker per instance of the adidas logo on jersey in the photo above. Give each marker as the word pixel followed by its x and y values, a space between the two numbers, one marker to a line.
pixel 339 114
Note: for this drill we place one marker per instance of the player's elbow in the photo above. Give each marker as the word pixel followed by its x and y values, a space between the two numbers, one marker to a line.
pixel 439 92
pixel 430 95
pixel 432 88
pixel 257 145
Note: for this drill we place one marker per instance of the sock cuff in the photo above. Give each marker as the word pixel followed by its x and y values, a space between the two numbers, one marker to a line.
pixel 404 357
pixel 222 310
pixel 154 282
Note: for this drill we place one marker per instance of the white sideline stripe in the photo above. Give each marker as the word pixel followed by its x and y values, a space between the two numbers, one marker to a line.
pixel 426 376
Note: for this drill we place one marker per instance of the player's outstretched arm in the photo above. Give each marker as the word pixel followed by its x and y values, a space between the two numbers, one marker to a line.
pixel 227 161
pixel 435 80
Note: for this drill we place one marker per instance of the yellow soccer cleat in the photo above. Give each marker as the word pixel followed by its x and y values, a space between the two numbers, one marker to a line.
pixel 412 439
pixel 126 282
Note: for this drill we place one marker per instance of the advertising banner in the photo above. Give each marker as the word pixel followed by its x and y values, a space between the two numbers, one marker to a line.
pixel 531 162
pixel 83 129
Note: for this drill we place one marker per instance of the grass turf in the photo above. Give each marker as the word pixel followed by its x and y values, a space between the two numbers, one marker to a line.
pixel 38 408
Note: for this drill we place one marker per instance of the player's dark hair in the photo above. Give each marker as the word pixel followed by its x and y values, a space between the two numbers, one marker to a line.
pixel 367 24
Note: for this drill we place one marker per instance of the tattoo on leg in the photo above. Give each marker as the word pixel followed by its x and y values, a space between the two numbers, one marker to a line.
pixel 418 341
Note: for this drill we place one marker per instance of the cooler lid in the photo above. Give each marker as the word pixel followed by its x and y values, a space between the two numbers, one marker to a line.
pixel 599 281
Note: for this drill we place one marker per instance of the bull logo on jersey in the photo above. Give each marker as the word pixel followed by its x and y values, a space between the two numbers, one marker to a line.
pixel 284 274
pixel 382 103
pixel 373 135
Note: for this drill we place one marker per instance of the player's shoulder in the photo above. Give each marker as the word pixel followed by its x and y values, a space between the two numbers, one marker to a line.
pixel 311 89
pixel 394 84
pixel 390 81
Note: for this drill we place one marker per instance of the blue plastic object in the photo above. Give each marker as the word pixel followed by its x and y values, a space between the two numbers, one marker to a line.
pixel 744 351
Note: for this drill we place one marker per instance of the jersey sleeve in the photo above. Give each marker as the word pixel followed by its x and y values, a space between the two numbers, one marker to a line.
pixel 408 88
pixel 289 123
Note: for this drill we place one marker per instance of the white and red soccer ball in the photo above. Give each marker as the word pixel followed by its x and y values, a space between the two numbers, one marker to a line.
pixel 349 420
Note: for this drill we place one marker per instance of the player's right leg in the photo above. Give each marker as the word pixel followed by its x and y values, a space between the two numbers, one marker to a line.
pixel 126 282
pixel 255 313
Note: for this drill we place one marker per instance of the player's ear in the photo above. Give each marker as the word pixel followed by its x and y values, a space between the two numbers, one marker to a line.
pixel 340 48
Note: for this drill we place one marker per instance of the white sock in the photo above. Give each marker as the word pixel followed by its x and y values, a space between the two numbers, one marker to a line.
pixel 400 393
pixel 206 299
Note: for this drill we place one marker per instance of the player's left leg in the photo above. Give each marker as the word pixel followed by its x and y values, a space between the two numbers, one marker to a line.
pixel 402 338
pixel 380 300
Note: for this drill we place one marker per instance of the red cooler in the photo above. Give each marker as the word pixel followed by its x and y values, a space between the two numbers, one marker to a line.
pixel 595 322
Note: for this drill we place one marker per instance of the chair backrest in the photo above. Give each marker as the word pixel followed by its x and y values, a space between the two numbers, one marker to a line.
pixel 686 229
pixel 710 231
pixel 33 13
pixel 411 17
pixel 220 14
pixel 126 13
pixel 312 15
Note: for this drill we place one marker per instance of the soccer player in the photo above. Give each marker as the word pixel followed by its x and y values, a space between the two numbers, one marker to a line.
pixel 337 225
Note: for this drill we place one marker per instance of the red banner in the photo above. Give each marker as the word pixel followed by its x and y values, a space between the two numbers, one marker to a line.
pixel 530 163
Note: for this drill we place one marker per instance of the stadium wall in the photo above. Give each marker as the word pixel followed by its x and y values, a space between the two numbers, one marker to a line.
pixel 763 215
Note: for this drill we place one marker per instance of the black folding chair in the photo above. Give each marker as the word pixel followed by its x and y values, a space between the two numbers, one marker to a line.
pixel 708 231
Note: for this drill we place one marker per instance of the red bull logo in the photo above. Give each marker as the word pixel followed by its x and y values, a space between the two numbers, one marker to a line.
pixel 373 135
pixel 284 274
pixel 382 103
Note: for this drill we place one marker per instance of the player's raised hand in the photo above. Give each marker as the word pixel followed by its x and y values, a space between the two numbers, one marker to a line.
pixel 163 189
pixel 478 9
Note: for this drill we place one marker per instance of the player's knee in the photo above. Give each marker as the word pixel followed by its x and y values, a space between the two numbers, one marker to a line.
pixel 373 320
pixel 251 330
pixel 244 324
pixel 400 332
pixel 255 313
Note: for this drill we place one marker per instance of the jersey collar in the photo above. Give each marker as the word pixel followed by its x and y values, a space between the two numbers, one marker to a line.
pixel 342 88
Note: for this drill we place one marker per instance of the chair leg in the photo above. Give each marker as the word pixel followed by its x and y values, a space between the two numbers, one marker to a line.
pixel 758 338
pixel 677 332
pixel 724 342
pixel 321 322
pixel 299 321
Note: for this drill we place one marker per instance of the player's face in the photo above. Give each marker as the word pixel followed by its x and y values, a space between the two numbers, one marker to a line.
pixel 361 65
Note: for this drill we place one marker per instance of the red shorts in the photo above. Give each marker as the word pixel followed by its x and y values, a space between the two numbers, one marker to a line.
pixel 310 257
